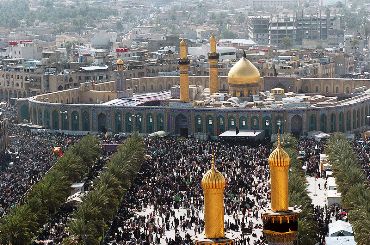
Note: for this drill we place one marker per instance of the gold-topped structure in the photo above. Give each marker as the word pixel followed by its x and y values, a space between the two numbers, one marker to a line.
pixel 213 57
pixel 121 81
pixel 184 72
pixel 279 162
pixel 280 224
pixel 213 184
pixel 120 62
pixel 243 78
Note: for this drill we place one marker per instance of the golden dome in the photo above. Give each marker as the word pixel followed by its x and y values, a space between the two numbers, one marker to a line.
pixel 279 157
pixel 213 179
pixel 243 72
pixel 119 62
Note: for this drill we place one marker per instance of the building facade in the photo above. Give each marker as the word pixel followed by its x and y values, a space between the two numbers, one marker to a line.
pixel 68 110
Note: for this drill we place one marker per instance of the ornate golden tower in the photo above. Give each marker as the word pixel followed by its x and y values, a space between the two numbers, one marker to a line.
pixel 121 81
pixel 213 184
pixel 184 72
pixel 280 224
pixel 213 56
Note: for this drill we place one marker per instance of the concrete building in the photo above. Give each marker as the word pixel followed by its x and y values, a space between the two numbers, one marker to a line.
pixel 258 27
pixel 273 4
pixel 23 49
pixel 282 31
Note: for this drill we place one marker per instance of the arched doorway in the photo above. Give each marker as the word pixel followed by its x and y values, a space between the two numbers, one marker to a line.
pixel 348 121
pixel 46 118
pixel 210 124
pixel 75 121
pixel 323 123
pixel 232 123
pixel 55 119
pixel 128 123
pixel 102 123
pixel 243 123
pixel 160 122
pixel 333 122
pixel 296 125
pixel 312 123
pixel 118 121
pixel 341 122
pixel 85 121
pixel 198 124
pixel 181 125
pixel 220 125
pixel 25 113
pixel 255 123
pixel 266 125
pixel 149 123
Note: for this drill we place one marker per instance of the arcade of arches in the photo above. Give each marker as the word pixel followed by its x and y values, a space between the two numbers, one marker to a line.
pixel 188 122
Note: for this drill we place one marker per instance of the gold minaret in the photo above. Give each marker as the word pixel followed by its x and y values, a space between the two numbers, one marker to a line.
pixel 213 56
pixel 279 162
pixel 213 184
pixel 184 72
pixel 280 224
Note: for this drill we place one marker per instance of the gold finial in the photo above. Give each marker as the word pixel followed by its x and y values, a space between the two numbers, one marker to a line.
pixel 183 50
pixel 278 137
pixel 212 42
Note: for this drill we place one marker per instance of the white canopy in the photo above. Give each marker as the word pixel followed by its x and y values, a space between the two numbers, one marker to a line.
pixel 340 227
pixel 340 240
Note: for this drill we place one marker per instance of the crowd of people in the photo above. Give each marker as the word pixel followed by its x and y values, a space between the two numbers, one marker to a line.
pixel 363 153
pixel 54 231
pixel 165 204
pixel 310 150
pixel 31 157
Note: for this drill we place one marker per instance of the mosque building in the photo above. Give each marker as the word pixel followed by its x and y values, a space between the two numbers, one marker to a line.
pixel 201 106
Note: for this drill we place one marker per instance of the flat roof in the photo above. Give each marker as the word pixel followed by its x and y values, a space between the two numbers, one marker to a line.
pixel 138 99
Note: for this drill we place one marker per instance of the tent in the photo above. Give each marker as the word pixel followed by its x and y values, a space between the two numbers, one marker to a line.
pixel 158 134
pixel 340 228
pixel 340 240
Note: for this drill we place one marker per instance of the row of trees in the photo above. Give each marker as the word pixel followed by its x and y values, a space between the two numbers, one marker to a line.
pixel 308 227
pixel 43 201
pixel 352 185
pixel 100 205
